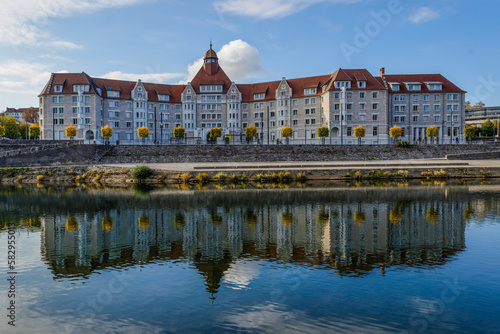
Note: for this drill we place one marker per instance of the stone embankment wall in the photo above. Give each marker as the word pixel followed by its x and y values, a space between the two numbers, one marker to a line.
pixel 46 153
pixel 263 153
pixel 51 155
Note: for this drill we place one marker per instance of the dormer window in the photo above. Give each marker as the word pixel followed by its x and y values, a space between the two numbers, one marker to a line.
pixel 362 84
pixel 163 97
pixel 211 88
pixel 310 91
pixel 394 87
pixel 139 95
pixel 58 88
pixel 340 84
pixel 259 96
pixel 112 93
pixel 81 88
pixel 413 86
pixel 434 85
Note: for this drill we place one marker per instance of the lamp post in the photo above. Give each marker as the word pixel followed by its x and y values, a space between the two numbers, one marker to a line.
pixel 305 132
pixel 161 128
pixel 330 131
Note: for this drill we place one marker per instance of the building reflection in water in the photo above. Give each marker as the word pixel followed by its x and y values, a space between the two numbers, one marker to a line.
pixel 348 236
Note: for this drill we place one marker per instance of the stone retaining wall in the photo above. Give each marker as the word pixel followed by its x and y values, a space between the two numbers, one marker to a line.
pixel 251 153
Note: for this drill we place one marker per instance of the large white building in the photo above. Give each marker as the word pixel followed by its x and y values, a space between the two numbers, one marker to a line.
pixel 340 101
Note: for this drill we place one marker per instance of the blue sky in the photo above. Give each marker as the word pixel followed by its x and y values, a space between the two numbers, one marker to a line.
pixel 260 40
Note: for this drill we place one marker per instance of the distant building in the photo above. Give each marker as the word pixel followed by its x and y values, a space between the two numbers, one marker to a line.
pixel 475 117
pixel 340 101
pixel 17 113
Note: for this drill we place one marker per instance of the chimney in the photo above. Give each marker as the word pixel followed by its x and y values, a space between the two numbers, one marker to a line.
pixel 382 71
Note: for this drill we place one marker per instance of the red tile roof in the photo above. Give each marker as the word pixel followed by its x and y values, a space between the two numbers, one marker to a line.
pixel 448 87
pixel 203 78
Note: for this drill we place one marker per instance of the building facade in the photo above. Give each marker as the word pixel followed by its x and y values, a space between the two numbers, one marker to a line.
pixel 340 101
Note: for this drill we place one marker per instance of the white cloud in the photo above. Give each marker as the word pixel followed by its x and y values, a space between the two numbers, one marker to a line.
pixel 23 20
pixel 238 59
pixel 424 14
pixel 146 77
pixel 21 82
pixel 267 9
pixel 241 273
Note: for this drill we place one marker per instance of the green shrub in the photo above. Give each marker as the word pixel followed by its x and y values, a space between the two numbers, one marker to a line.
pixel 141 172
pixel 186 177
pixel 403 144
pixel 301 177
pixel 202 177
pixel 220 176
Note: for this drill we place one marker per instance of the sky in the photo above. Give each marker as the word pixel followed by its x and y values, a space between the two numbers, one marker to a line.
pixel 256 40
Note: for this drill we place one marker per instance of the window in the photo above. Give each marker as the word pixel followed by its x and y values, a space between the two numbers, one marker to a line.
pixel 413 87
pixel 272 114
pixel 426 108
pixel 349 106
pixel 336 95
pixel 455 118
pixel 361 84
pixel 415 118
pixel 337 117
pixel 435 86
pixel 436 118
pixel 337 106
pixel 426 118
pixel 259 96
pixel 436 97
pixel 87 110
pixel 362 95
pixel 375 117
pixel 375 95
pixel 75 121
pixel 415 97
pixel 114 94
pixel 348 117
pixel 74 99
pixel 129 105
pixel 394 87
pixel 295 112
pixel 166 98
pixel 75 110
pixel 375 130
pixel 58 88
pixel 436 107
pixel 361 106
pixel 361 117
pixel 150 106
pixel 426 97
pixel 349 95
pixel 375 106
pixel 349 131
pixel 415 108
pixel 309 91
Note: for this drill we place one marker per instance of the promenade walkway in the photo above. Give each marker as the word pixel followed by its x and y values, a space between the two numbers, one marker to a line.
pixel 305 165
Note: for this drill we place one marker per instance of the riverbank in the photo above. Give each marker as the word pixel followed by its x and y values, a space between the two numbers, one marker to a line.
pixel 119 175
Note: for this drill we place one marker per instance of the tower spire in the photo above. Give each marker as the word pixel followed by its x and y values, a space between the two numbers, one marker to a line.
pixel 210 43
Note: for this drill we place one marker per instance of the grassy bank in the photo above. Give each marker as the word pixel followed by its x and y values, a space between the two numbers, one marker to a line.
pixel 121 177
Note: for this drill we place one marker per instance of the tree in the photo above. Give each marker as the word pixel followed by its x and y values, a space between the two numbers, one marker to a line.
pixel 143 132
pixel 395 132
pixel 34 131
pixel 23 130
pixel 11 128
pixel 488 128
pixel 2 131
pixel 432 132
pixel 179 132
pixel 467 105
pixel 323 132
pixel 250 132
pixel 359 132
pixel 70 131
pixel 30 115
pixel 469 131
pixel 478 105
pixel 215 132
pixel 286 132
pixel 107 132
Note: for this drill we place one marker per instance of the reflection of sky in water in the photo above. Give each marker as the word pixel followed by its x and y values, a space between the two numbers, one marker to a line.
pixel 252 281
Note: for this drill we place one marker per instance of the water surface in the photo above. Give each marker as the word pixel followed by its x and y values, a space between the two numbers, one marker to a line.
pixel 370 259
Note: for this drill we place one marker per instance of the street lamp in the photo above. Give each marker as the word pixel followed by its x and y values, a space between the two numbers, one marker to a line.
pixel 161 133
